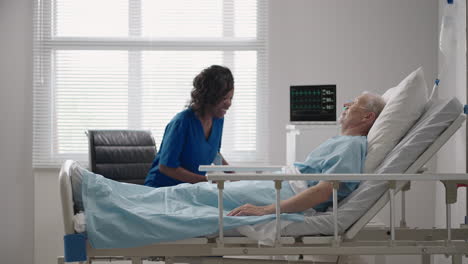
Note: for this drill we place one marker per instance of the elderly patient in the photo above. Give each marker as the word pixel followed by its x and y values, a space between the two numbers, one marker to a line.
pixel 120 215
pixel 341 154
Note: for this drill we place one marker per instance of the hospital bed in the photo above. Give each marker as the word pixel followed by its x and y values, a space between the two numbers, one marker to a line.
pixel 338 232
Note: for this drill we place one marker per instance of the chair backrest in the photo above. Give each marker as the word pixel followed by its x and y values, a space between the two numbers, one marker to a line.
pixel 121 155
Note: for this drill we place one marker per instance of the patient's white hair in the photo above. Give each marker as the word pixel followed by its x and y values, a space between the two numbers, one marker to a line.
pixel 375 103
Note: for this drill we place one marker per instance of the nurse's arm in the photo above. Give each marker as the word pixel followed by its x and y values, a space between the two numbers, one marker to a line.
pixel 182 174
pixel 300 202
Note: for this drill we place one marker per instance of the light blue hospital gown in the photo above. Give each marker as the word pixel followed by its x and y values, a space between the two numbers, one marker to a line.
pixel 120 215
pixel 340 154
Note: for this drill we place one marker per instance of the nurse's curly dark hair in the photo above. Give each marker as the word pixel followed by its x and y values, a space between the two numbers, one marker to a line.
pixel 209 87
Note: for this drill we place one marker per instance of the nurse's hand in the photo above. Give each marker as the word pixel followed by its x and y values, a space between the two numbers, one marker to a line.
pixel 249 209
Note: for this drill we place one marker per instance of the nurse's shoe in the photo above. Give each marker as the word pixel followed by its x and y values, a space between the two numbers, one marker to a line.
pixel 76 176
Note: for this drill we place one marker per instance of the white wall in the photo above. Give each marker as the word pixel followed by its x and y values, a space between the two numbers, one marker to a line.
pixel 359 45
pixel 48 224
pixel 17 181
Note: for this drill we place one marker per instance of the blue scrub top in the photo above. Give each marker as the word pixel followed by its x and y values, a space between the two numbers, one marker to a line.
pixel 184 145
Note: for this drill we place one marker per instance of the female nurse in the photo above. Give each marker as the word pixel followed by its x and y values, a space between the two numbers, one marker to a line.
pixel 193 137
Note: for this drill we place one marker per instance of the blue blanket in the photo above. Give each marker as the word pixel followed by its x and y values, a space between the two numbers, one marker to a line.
pixel 120 215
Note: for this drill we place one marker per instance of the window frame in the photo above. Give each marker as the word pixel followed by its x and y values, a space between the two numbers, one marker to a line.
pixel 45 45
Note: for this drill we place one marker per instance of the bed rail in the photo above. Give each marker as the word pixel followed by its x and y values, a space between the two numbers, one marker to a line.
pixel 451 179
pixel 396 182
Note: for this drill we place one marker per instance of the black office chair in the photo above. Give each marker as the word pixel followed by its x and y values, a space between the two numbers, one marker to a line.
pixel 121 155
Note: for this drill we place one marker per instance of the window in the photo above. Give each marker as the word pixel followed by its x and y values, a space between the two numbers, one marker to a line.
pixel 118 64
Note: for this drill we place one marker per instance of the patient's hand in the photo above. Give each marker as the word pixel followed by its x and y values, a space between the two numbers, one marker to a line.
pixel 249 209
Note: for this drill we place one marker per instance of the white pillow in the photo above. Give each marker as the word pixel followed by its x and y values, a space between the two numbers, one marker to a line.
pixel 405 104
pixel 389 94
pixel 440 115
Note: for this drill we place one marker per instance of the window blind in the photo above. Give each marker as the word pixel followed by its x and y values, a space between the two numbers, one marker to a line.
pixel 129 64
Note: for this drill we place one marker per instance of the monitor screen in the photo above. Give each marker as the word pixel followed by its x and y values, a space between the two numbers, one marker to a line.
pixel 310 103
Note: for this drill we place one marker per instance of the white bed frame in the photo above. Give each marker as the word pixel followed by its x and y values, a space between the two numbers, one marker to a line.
pixel 357 240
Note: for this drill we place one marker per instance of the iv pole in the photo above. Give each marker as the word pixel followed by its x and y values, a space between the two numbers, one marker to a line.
pixel 466 97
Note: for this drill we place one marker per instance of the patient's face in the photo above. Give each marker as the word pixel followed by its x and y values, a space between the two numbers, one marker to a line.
pixel 354 112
